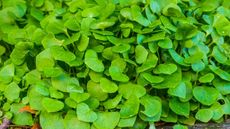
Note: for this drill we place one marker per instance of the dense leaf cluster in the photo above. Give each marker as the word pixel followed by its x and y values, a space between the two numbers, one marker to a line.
pixel 112 64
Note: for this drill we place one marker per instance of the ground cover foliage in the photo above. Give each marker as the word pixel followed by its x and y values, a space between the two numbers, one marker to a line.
pixel 105 64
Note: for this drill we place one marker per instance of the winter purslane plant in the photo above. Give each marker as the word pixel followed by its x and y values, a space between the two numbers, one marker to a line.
pixel 112 64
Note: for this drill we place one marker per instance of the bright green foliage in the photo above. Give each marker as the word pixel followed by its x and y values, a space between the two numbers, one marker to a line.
pixel 204 115
pixel 52 105
pixel 130 89
pixel 205 95
pixel 180 108
pixel 111 64
pixel 21 118
pixel 109 120
pixel 85 114
pixel 130 107
pixel 12 91
pixel 72 122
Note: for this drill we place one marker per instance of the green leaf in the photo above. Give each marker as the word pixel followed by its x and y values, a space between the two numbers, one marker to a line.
pixel 70 102
pixel 205 95
pixel 84 113
pixel 172 117
pixel 152 78
pixel 185 31
pixel 218 111
pixel 60 54
pixel 206 78
pixel 108 86
pixel 127 122
pixel 72 122
pixel 130 107
pixel 178 126
pixel 151 104
pixel 165 69
pixel 195 57
pixel 155 37
pixel 37 14
pixel 211 5
pixel 112 103
pixel 155 6
pixel 222 86
pixel 83 44
pixel 170 81
pixel 221 73
pixel 94 76
pixel 167 24
pixel 52 24
pixel 50 40
pixel 35 98
pixel 53 72
pixel 95 90
pixel 107 120
pixel 219 55
pixel 93 103
pixel 198 66
pixel 79 97
pixel 117 75
pixel 129 89
pixel 150 62
pixel 177 58
pixel 141 54
pixel 12 91
pixel 51 120
pixel 179 90
pixel 92 61
pixel 52 105
pixel 180 108
pixel 55 94
pixel 20 118
pixel 166 43
pixel 2 50
pixel 7 73
pixel 103 24
pixel 118 41
pixel 222 25
pixel 44 60
pixel 66 84
pixel 33 77
pixel 172 9
pixel 138 17
pixel 91 12
pixel 121 48
pixel 42 88
pixel 204 115
pixel 108 10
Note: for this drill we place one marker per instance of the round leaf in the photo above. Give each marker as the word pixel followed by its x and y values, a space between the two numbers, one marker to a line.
pixel 205 95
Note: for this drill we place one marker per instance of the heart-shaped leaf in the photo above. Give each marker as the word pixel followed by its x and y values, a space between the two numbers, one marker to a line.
pixel 205 95
pixel 180 108
pixel 52 105
pixel 204 115
pixel 130 89
pixel 107 120
pixel 130 107
pixel 84 113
